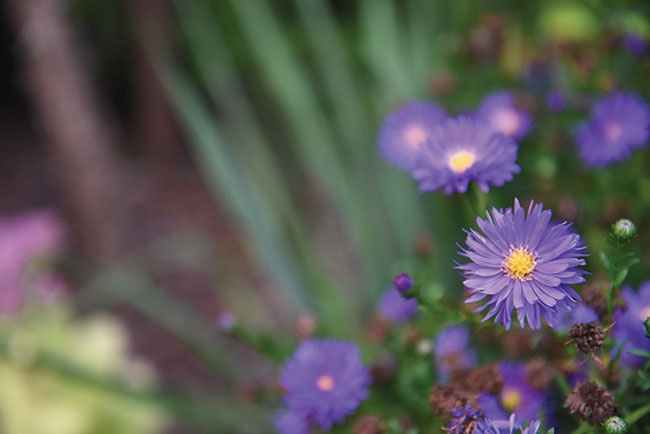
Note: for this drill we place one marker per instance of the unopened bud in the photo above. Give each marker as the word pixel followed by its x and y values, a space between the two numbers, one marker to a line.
pixel 624 229
pixel 615 425
pixel 403 283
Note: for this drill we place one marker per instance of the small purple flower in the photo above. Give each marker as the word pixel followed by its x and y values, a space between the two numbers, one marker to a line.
pixel 291 422
pixel 406 130
pixel 517 396
pixel 499 110
pixel 523 262
pixel 462 150
pixel 629 329
pixel 396 307
pixel 451 351
pixel 556 101
pixel 403 282
pixel 619 125
pixel 325 380
pixel 634 43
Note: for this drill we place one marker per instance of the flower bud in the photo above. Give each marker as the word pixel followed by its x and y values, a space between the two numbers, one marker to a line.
pixel 615 425
pixel 624 229
pixel 403 283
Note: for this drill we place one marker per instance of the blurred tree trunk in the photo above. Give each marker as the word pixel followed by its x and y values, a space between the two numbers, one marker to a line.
pixel 79 138
pixel 156 131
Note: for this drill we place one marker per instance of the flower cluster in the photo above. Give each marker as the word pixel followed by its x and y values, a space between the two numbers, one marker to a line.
pixel 449 153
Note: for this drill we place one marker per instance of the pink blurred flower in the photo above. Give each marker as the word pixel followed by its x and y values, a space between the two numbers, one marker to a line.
pixel 24 240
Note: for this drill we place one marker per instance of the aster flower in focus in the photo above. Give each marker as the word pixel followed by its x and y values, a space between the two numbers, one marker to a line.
pixel 291 422
pixel 451 351
pixel 462 150
pixel 406 130
pixel 325 380
pixel 500 112
pixel 523 262
pixel 629 329
pixel 394 306
pixel 619 124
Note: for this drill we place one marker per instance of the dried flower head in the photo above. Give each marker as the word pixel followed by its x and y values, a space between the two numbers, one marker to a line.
pixel 539 374
pixel 369 424
pixel 485 379
pixel 587 337
pixel 445 398
pixel 591 402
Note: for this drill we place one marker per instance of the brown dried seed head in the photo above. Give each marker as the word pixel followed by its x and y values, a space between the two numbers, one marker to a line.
pixel 587 337
pixel 368 424
pixel 591 402
pixel 444 398
pixel 487 378
pixel 539 374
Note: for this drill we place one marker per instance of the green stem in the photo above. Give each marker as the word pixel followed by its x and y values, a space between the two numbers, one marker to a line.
pixel 637 414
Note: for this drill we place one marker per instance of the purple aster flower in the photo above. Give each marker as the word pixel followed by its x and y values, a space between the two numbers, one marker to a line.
pixel 396 307
pixel 462 150
pixel 406 130
pixel 634 43
pixel 523 262
pixel 325 380
pixel 629 329
pixel 556 101
pixel 451 351
pixel 516 396
pixel 291 422
pixel 619 124
pixel 499 110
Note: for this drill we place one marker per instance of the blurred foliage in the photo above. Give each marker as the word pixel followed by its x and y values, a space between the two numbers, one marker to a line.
pixel 39 351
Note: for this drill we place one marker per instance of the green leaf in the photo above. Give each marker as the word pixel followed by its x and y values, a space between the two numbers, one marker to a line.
pixel 639 352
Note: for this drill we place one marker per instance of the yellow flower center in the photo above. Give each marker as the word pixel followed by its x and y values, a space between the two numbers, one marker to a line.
pixel 414 136
pixel 325 383
pixel 511 399
pixel 461 161
pixel 519 264
pixel 645 313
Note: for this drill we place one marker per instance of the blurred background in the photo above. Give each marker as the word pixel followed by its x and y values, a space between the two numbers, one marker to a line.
pixel 171 168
